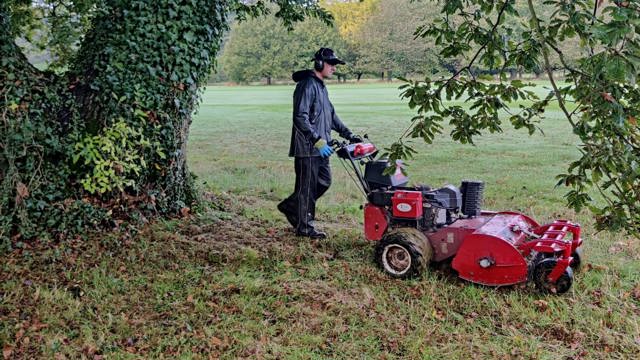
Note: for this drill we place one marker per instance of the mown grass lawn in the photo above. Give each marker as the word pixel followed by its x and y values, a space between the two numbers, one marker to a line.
pixel 232 282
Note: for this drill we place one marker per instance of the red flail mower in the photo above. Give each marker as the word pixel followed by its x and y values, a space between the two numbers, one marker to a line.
pixel 416 225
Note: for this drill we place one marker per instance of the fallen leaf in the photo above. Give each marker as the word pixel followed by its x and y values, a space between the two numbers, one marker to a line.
pixel 6 352
pixel 636 292
pixel 214 341
pixel 471 317
pixel 190 299
pixel 541 305
pixel 590 267
pixel 22 192
pixel 415 291
pixel 607 97
pixel 89 350
pixel 633 121
pixel 19 334
pixel 578 337
pixel 185 211
pixel 37 326
pixel 369 298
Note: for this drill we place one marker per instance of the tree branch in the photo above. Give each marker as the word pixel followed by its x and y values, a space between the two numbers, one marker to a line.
pixel 475 57
pixel 593 20
pixel 545 55
pixel 562 60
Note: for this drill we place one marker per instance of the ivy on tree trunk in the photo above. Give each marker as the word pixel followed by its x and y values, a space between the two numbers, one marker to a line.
pixel 106 139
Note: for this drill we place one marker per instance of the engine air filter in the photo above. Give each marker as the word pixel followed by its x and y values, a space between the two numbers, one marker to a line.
pixel 472 195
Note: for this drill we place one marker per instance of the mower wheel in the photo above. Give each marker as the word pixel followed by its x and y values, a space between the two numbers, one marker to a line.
pixel 403 253
pixel 541 277
pixel 577 259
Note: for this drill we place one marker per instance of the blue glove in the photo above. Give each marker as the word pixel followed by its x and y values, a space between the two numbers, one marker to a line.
pixel 324 149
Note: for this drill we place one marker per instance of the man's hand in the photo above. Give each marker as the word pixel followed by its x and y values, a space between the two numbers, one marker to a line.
pixel 324 149
pixel 354 139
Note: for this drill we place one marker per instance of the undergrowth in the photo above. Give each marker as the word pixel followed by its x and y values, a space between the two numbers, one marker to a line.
pixel 220 285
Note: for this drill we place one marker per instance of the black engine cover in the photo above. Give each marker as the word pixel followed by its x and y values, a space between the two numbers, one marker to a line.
pixel 448 197
pixel 373 175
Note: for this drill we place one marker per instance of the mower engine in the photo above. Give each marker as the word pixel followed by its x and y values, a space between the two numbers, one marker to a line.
pixel 416 225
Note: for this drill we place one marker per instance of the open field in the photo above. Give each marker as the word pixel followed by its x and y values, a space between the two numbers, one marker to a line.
pixel 233 282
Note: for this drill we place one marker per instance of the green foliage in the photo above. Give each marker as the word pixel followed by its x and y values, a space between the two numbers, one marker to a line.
pixel 60 35
pixel 600 100
pixel 386 41
pixel 262 48
pixel 114 158
pixel 372 36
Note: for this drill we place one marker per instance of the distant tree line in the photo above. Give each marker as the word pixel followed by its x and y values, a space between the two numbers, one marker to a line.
pixel 376 39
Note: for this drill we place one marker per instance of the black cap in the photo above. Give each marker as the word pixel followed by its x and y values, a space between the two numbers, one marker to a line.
pixel 327 55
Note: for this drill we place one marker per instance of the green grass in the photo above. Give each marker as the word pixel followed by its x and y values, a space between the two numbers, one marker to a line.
pixel 233 282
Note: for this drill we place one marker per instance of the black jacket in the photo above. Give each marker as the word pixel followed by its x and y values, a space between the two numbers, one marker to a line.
pixel 313 115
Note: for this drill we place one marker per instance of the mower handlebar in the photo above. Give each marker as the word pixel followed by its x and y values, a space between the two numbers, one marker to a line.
pixel 353 151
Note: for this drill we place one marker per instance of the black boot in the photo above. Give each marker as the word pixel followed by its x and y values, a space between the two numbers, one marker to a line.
pixel 290 215
pixel 313 234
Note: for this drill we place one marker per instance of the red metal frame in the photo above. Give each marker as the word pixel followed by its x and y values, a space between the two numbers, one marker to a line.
pixel 375 222
pixel 552 240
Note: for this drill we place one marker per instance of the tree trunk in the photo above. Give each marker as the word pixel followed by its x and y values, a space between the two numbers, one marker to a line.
pixel 142 63
pixel 155 72
pixel 268 80
pixel 34 123
pixel 359 75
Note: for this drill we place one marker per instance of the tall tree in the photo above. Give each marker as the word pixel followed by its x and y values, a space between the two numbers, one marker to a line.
pixel 387 44
pixel 351 16
pixel 108 134
pixel 256 49
pixel 259 48
pixel 600 102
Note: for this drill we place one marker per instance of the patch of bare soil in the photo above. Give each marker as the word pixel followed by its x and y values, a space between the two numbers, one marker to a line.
pixel 231 236
pixel 227 231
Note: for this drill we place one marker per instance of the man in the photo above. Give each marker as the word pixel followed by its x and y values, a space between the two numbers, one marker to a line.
pixel 313 119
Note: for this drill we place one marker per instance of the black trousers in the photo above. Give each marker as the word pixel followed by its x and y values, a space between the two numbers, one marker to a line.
pixel 313 178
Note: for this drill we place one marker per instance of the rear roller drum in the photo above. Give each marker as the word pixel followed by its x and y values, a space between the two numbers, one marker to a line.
pixel 541 277
pixel 404 253
pixel 577 259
